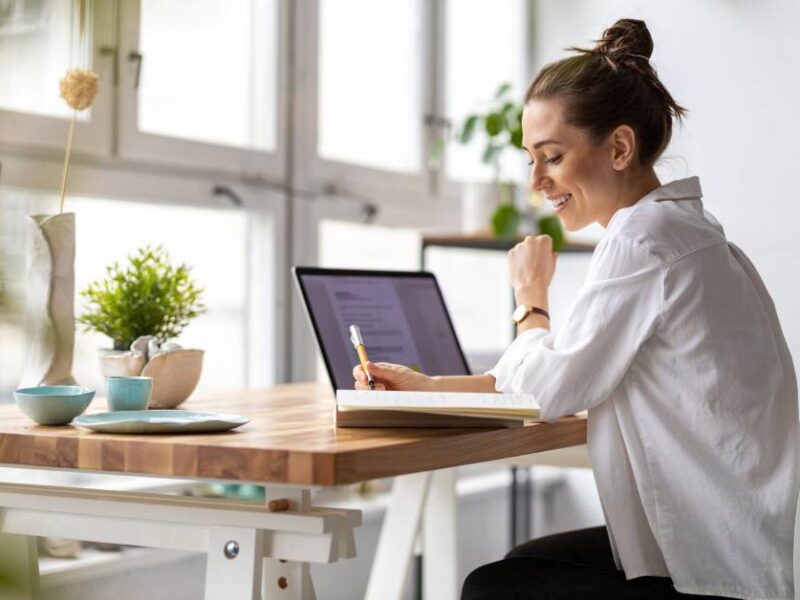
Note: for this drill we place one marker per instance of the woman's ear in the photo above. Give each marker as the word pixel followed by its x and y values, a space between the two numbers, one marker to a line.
pixel 623 147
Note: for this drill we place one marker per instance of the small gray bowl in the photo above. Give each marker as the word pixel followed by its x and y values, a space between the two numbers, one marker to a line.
pixel 54 404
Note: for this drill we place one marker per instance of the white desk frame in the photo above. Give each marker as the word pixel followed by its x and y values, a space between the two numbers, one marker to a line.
pixel 272 550
pixel 251 553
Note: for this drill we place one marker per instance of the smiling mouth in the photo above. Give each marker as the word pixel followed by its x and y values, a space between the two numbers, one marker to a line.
pixel 559 202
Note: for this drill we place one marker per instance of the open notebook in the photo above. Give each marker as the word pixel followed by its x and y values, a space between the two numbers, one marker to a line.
pixel 355 408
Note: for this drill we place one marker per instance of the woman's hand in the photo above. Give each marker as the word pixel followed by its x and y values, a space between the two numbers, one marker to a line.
pixel 532 263
pixel 389 376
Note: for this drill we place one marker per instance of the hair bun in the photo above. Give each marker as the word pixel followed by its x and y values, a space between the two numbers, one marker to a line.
pixel 626 36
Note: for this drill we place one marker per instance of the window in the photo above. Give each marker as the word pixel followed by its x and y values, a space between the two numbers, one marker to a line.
pixel 42 38
pixel 371 101
pixel 198 100
pixel 485 45
pixel 365 73
pixel 209 74
pixel 201 88
pixel 39 41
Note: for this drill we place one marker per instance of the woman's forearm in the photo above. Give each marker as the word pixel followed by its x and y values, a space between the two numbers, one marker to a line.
pixel 463 383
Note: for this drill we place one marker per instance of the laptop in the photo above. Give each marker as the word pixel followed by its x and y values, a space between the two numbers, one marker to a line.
pixel 402 316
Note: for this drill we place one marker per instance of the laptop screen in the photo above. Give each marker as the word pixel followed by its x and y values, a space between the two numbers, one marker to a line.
pixel 402 317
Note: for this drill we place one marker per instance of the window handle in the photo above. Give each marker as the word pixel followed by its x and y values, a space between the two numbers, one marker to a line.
pixel 133 55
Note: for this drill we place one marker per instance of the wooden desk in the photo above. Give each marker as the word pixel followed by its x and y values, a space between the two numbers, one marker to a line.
pixel 291 445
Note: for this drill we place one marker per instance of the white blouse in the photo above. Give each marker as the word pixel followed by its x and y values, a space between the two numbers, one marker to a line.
pixel 674 346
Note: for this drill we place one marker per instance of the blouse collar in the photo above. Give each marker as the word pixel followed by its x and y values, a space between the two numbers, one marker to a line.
pixel 680 189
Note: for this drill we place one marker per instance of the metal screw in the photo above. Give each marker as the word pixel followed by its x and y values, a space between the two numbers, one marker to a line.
pixel 231 549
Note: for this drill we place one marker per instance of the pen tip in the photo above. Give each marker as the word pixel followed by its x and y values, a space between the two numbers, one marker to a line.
pixel 372 385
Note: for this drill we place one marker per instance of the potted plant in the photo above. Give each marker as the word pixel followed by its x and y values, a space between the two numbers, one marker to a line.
pixel 501 125
pixel 143 306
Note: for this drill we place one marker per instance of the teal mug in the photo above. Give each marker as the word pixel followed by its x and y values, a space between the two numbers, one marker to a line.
pixel 128 393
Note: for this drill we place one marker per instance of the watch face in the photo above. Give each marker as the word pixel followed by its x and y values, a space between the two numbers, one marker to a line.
pixel 519 313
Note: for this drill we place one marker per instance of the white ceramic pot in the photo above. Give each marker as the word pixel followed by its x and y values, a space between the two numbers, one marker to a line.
pixel 175 375
pixel 175 371
pixel 49 307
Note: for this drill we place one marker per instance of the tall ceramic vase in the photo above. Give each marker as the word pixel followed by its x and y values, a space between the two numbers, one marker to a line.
pixel 50 300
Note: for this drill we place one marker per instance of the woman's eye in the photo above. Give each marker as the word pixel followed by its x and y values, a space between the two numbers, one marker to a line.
pixel 554 160
pixel 530 163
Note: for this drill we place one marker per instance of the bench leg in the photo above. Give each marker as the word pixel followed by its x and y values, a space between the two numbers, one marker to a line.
pixel 19 567
pixel 288 580
pixel 233 567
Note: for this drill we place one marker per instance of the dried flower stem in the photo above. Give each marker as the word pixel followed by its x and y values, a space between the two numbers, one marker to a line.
pixel 66 160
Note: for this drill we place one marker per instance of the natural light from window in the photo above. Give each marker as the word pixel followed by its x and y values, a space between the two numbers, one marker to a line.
pixel 210 74
pixel 371 83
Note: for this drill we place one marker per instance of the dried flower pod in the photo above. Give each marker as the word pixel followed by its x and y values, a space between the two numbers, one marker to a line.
pixel 78 88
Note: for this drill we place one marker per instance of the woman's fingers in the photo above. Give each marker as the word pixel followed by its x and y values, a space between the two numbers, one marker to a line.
pixel 358 374
pixel 365 386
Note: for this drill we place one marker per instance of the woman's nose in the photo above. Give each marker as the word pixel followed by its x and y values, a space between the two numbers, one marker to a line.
pixel 539 180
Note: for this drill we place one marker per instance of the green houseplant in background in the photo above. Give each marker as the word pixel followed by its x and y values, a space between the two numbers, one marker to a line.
pixel 501 125
pixel 142 307
pixel 149 296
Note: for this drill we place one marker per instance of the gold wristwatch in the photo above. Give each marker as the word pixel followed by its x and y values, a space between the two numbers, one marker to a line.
pixel 523 310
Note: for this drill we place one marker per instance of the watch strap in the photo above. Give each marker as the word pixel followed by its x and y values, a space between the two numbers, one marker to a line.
pixel 532 309
pixel 539 311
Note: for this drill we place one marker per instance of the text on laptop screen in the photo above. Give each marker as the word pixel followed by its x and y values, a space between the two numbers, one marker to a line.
pixel 402 320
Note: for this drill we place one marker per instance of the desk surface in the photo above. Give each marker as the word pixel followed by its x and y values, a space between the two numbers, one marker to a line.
pixel 291 439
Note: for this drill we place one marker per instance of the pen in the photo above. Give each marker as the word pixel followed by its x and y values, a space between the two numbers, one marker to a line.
pixel 358 344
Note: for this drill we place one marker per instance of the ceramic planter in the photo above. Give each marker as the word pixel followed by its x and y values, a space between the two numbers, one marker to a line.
pixel 175 370
pixel 50 300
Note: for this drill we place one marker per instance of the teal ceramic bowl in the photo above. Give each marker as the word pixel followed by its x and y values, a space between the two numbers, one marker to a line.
pixel 54 404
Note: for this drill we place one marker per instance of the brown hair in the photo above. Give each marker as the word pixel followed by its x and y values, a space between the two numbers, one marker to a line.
pixel 613 84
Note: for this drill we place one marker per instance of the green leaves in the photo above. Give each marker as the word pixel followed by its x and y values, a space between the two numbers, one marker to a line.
pixel 551 225
pixel 148 297
pixel 502 124
pixel 502 90
pixel 506 220
pixel 468 129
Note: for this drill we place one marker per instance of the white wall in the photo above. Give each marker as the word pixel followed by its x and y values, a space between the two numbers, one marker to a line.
pixel 734 64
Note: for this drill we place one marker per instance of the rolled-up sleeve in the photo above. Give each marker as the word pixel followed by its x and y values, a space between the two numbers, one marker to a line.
pixel 577 367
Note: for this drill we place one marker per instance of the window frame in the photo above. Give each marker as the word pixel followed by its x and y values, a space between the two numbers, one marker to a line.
pixel 48 134
pixel 334 178
pixel 293 186
pixel 158 149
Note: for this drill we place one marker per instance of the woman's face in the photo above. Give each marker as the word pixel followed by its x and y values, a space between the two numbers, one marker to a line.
pixel 577 176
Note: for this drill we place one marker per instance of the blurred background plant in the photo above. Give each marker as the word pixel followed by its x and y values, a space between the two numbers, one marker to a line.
pixel 502 124
pixel 149 296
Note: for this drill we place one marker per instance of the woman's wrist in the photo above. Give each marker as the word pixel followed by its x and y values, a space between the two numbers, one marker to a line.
pixel 533 321
pixel 462 383
pixel 532 295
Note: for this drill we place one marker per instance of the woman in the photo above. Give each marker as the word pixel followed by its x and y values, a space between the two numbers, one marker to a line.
pixel 673 345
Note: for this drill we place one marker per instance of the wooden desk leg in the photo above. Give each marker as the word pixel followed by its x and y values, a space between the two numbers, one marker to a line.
pixel 439 539
pixel 396 544
pixel 233 567
pixel 288 580
pixel 19 566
